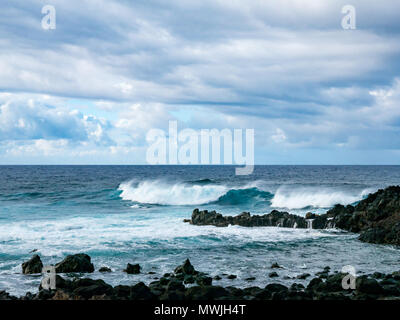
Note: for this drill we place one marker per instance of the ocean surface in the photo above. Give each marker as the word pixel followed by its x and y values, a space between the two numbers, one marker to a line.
pixel 121 214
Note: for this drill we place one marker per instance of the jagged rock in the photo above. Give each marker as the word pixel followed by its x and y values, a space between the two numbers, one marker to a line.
pixel 377 217
pixel 314 283
pixel 275 265
pixel 6 296
pixel 104 269
pixel 33 265
pixel 273 275
pixel 273 219
pixel 132 268
pixel 186 268
pixel 75 263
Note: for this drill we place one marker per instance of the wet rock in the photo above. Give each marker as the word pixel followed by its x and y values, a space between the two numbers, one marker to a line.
pixel 275 265
pixel 217 278
pixel 87 288
pixel 314 283
pixel 376 218
pixel 232 276
pixel 368 285
pixel 33 265
pixel 276 287
pixel 174 285
pixel 297 287
pixel 273 275
pixel 250 279
pixel 186 268
pixel 334 282
pixel 132 268
pixel 303 276
pixel 75 263
pixel 141 292
pixel 122 292
pixel 104 269
pixel 245 219
pixel 204 281
pixel 6 296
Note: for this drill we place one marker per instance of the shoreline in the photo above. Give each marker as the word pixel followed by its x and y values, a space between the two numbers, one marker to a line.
pixel 378 214
pixel 185 283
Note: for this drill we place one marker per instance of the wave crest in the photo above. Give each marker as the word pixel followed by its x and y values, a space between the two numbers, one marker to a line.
pixel 162 193
pixel 310 197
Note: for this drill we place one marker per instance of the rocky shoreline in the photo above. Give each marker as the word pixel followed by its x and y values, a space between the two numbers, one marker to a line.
pixel 187 284
pixel 376 218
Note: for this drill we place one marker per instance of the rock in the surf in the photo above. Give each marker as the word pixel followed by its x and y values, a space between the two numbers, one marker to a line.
pixel 80 262
pixel 245 219
pixel 132 268
pixel 33 265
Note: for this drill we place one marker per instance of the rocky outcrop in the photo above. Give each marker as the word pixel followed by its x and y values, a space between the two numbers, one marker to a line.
pixel 376 218
pixel 33 265
pixel 174 286
pixel 75 263
pixel 275 218
pixel 132 268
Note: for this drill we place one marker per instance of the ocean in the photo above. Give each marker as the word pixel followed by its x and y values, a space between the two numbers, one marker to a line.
pixel 134 214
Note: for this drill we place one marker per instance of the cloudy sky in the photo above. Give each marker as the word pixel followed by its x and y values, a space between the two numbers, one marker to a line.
pixel 90 90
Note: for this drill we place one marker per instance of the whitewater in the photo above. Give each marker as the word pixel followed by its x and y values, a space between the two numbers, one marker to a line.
pixel 134 214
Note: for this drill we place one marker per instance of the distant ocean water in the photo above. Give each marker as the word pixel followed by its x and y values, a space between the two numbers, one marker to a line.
pixel 121 214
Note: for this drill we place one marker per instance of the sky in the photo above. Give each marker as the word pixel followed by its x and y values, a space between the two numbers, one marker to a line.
pixel 90 90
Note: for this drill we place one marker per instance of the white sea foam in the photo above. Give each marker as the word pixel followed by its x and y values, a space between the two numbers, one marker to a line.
pixel 312 197
pixel 160 192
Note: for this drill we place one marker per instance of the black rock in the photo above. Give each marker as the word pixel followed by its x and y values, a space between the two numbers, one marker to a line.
pixel 276 287
pixel 314 283
pixel 204 281
pixel 368 285
pixel 232 276
pixel 250 279
pixel 75 263
pixel 87 288
pixel 275 219
pixel 104 269
pixel 141 292
pixel 275 265
pixel 273 275
pixel 186 268
pixel 303 276
pixel 132 268
pixel 6 296
pixel 33 265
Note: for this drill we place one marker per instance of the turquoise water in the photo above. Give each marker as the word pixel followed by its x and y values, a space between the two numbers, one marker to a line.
pixel 121 214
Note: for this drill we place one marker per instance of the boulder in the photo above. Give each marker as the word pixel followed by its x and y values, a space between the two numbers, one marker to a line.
pixel 75 263
pixel 33 265
pixel 87 288
pixel 368 286
pixel 186 268
pixel 132 268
